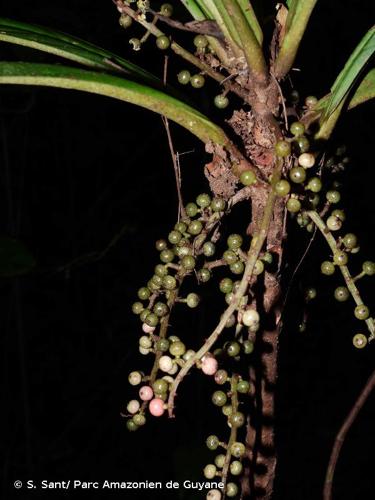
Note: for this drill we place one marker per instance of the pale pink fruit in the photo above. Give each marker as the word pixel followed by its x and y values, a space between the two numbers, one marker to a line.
pixel 156 407
pixel 146 393
pixel 147 328
pixel 209 364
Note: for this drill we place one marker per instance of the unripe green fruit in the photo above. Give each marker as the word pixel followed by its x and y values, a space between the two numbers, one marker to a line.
pixel 166 10
pixel 327 268
pixel 161 309
pixel 132 426
pixel 333 223
pixel 341 293
pixel 160 245
pixel 204 275
pixel 226 285
pixel 133 406
pixel 333 196
pixel 313 199
pixel 135 378
pixel 221 376
pixel 231 490
pixel 169 282
pixel 188 262
pixel 302 144
pixel 237 419
pixel 297 175
pixel 310 293
pixel 238 449
pixel 218 205
pixel 177 349
pixel 368 268
pixel 191 209
pixel 282 187
pixel 230 257
pixel 250 317
pixel 174 237
pixel 192 300
pixel 248 177
pixel 220 460
pixel 166 256
pixel 144 293
pixel 160 386
pixel 163 42
pixel 359 340
pixel 234 241
pixel 314 184
pixel 236 468
pixel 195 227
pixel 248 347
pixel 145 342
pixel 144 314
pixel 233 349
pixel 137 307
pixel 227 410
pixel 282 149
pixel 184 77
pixel 293 205
pixel 340 258
pixel 310 101
pixel 209 471
pixel 197 81
pixel 200 41
pixel 162 345
pixel 219 398
pixel 212 442
pixel 125 21
pixel 306 160
pixel 160 270
pixel 361 312
pixel 151 319
pixel 181 227
pixel 221 101
pixel 340 214
pixel 297 128
pixel 258 268
pixel 350 241
pixel 156 281
pixel 203 200
pixel 237 267
pixel 139 419
pixel 243 387
pixel 209 249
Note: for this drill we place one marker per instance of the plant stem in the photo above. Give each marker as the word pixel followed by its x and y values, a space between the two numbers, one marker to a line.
pixel 369 386
pixel 255 248
pixel 315 217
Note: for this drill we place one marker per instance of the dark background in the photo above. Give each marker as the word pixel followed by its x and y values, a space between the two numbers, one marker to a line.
pixel 76 170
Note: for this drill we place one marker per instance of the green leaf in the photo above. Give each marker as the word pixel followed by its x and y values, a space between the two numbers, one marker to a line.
pixel 365 91
pixel 15 259
pixel 117 88
pixel 249 13
pixel 344 82
pixel 70 47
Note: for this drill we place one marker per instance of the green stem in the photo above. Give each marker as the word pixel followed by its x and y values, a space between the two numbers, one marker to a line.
pixel 296 23
pixel 315 217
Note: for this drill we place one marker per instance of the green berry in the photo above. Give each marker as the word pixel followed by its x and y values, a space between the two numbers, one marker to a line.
pixel 181 227
pixel 359 340
pixel 361 312
pixel 166 10
pixel 297 128
pixel 203 200
pixel 195 227
pixel 313 199
pixel 166 256
pixel 302 144
pixel 333 196
pixel 234 241
pixel 137 307
pixel 310 101
pixel 135 378
pixel 221 376
pixel 160 386
pixel 231 490
pixel 188 262
pixel 220 460
pixel 221 101
pixel 238 449
pixel 192 300
pixel 341 293
pixel 131 425
pixel 333 223
pixel 151 319
pixel 163 42
pixel 243 387
pixel 160 270
pixel 197 81
pixel 314 184
pixel 212 442
pixel 350 241
pixel 297 175
pixel 145 342
pixel 204 275
pixel 267 258
pixel 219 398
pixel 227 410
pixel 125 21
pixel 184 77
pixel 237 419
pixel 233 349
pixel 139 419
pixel 282 187
pixel 169 282
pixel 310 294
pixel 144 315
pixel 209 249
pixel 340 214
pixel 160 245
pixel 258 268
pixel 236 468
pixel 177 348
pixel 226 285
pixel 209 471
pixel 144 293
pixel 293 205
pixel 340 258
pixel 368 268
pixel 161 309
pixel 200 41
pixel 162 345
pixel 218 205
pixel 327 268
pixel 237 267
pixel 230 257
pixel 282 149
pixel 174 237
pixel 248 177
pixel 191 209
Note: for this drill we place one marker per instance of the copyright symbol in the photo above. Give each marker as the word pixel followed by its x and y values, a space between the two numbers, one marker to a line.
pixel 18 484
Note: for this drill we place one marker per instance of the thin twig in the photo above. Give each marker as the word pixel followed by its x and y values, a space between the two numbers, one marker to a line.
pixel 369 386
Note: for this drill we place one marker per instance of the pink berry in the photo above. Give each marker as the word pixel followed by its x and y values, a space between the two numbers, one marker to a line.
pixel 209 364
pixel 156 407
pixel 146 393
pixel 147 328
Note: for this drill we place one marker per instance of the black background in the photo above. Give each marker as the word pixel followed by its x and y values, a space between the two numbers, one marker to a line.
pixel 75 170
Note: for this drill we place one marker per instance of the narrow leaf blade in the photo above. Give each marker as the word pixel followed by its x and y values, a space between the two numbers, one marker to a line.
pixel 365 90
